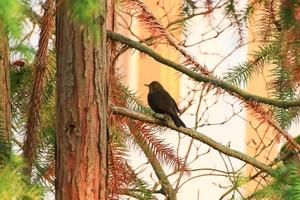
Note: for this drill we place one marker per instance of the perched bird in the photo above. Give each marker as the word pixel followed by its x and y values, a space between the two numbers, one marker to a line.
pixel 160 101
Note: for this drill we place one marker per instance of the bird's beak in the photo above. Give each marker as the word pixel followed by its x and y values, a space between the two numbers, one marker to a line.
pixel 146 85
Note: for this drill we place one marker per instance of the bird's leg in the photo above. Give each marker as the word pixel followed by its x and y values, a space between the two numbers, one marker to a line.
pixel 162 117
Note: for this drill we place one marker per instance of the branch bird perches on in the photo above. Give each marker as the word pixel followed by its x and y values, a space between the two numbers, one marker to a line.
pixel 246 97
pixel 196 135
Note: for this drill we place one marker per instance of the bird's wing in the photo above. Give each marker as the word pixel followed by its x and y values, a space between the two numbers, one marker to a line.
pixel 154 103
pixel 164 103
pixel 176 105
pixel 173 101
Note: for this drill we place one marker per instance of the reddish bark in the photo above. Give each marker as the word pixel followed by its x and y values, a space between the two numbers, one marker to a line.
pixel 81 168
pixel 4 85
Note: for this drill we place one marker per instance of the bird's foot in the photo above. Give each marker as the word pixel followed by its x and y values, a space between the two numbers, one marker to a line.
pixel 159 116
pixel 163 118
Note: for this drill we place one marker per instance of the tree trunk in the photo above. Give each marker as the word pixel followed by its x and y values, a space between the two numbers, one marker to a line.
pixel 81 169
pixel 4 86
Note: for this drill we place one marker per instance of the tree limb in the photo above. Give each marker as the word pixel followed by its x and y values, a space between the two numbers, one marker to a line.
pixel 230 88
pixel 196 135
pixel 167 188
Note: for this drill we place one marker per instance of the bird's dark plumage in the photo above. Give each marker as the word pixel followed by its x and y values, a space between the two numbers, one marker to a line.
pixel 160 101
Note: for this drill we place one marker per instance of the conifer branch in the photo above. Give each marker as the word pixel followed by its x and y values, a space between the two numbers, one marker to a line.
pixel 230 88
pixel 196 135
pixel 40 67
pixel 167 188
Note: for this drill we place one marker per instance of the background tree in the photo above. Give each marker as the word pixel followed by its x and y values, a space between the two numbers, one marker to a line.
pixel 12 182
pixel 5 118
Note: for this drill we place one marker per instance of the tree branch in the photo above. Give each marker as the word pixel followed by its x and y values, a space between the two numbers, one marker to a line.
pixel 196 135
pixel 167 188
pixel 230 88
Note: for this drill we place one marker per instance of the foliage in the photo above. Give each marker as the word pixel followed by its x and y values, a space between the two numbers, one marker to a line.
pixel 242 73
pixel 280 52
pixel 288 155
pixel 236 17
pixel 126 183
pixel 12 182
pixel 285 186
pixel 87 12
pixel 25 51
pixel 11 16
pixel 21 81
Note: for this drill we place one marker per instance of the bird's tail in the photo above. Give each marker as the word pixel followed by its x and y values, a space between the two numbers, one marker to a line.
pixel 177 121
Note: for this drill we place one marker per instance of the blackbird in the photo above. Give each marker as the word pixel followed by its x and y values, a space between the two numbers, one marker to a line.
pixel 160 101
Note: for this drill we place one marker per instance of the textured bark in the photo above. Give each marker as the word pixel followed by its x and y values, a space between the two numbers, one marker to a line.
pixel 111 15
pixel 4 86
pixel 40 67
pixel 81 169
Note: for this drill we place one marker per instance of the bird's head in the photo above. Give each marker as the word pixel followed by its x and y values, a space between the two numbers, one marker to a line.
pixel 154 85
